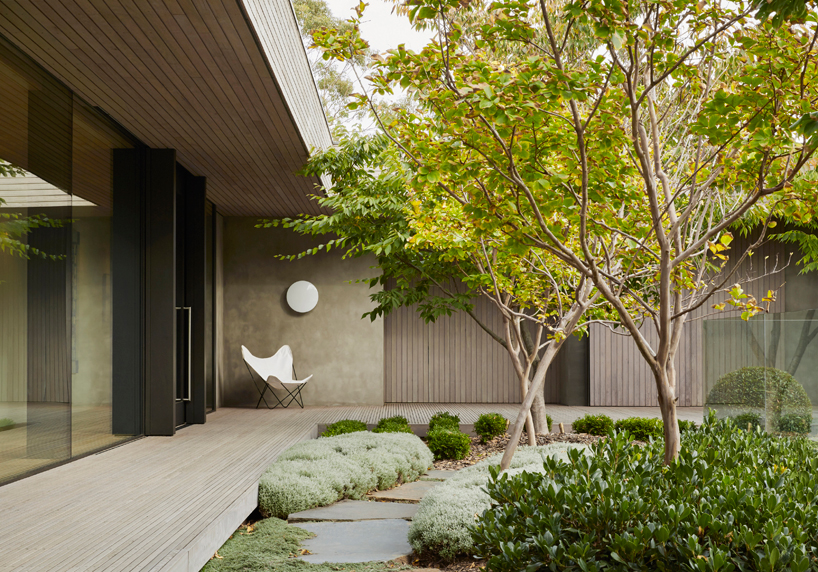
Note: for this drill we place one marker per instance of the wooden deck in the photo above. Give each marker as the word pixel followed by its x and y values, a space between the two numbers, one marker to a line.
pixel 167 503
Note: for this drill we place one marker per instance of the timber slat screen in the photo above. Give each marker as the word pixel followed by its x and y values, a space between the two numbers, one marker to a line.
pixel 451 360
pixel 619 375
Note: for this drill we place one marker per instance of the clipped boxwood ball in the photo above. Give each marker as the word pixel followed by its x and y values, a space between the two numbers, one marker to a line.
pixel 642 428
pixel 762 388
pixel 344 426
pixel 396 424
pixel 443 419
pixel 489 426
pixel 593 424
pixel 448 444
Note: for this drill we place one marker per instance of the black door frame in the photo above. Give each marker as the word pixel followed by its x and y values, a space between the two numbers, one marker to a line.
pixel 144 294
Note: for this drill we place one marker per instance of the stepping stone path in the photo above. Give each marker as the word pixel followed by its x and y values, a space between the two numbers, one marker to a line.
pixel 365 531
pixel 364 541
pixel 355 510
pixel 410 492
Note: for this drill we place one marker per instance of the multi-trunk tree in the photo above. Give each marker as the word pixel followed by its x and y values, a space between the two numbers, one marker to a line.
pixel 623 138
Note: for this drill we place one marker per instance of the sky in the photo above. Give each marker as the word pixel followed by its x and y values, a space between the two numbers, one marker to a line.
pixel 380 27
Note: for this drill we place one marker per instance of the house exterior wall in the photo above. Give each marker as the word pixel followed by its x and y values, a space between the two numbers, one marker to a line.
pixel 343 352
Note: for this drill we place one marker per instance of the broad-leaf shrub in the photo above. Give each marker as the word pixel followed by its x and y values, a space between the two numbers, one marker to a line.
pixel 733 501
pixel 447 444
pixel 342 427
pixel 761 389
pixel 641 428
pixel 396 424
pixel 443 419
pixel 489 426
pixel 593 424
pixel 322 471
pixel 685 425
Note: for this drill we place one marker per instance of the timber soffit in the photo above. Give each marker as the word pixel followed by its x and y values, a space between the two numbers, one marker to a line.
pixel 224 82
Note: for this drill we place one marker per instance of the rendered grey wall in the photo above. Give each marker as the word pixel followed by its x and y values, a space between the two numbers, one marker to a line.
pixel 343 352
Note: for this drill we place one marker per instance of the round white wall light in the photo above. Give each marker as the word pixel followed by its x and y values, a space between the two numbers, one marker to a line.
pixel 302 296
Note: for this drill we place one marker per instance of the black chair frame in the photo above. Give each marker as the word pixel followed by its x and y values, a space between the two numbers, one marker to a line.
pixel 293 395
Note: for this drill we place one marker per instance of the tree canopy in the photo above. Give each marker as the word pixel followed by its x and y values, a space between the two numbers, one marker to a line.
pixel 625 139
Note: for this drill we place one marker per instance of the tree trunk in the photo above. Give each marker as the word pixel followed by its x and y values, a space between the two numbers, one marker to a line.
pixel 516 428
pixel 775 338
pixel 529 420
pixel 538 413
pixel 804 341
pixel 672 435
pixel 666 386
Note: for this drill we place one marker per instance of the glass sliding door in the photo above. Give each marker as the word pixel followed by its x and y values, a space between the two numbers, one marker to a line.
pixel 56 311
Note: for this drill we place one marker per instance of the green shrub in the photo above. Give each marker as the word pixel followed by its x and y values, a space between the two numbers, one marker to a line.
pixel 322 471
pixel 549 422
pixel 685 426
pixel 6 422
pixel 593 424
pixel 642 428
pixel 447 444
pixel 342 427
pixel 743 419
pixel 489 426
pixel 446 420
pixel 396 424
pixel 734 500
pixel 765 389
pixel 793 423
pixel 441 525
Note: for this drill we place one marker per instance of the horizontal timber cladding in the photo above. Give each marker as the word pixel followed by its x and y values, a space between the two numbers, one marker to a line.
pixel 451 360
pixel 619 373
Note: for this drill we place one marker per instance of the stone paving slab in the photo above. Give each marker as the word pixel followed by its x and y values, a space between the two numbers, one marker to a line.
pixel 364 541
pixel 410 492
pixel 437 475
pixel 354 510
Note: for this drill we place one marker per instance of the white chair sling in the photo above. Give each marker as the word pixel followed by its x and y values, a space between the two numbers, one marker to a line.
pixel 277 373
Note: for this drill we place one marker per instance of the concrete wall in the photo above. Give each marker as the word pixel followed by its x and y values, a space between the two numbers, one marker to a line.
pixel 343 352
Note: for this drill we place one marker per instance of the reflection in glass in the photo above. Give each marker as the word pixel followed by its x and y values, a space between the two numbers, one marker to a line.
pixel 56 308
pixel 764 372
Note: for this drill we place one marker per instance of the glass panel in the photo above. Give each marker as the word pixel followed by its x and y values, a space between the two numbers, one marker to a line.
pixel 92 316
pixel 764 371
pixel 35 302
pixel 56 310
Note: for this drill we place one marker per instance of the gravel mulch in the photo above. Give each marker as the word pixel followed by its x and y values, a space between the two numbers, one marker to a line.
pixel 462 564
pixel 480 451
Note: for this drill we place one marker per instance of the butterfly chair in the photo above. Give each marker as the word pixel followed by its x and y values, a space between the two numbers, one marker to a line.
pixel 277 373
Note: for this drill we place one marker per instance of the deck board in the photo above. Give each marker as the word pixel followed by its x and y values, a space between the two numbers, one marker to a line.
pixel 142 505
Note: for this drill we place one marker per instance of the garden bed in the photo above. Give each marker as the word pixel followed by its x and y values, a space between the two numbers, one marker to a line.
pixel 480 451
pixel 440 526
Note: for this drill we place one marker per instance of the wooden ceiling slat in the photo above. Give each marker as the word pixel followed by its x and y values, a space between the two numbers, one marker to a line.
pixel 217 115
pixel 210 33
pixel 187 74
